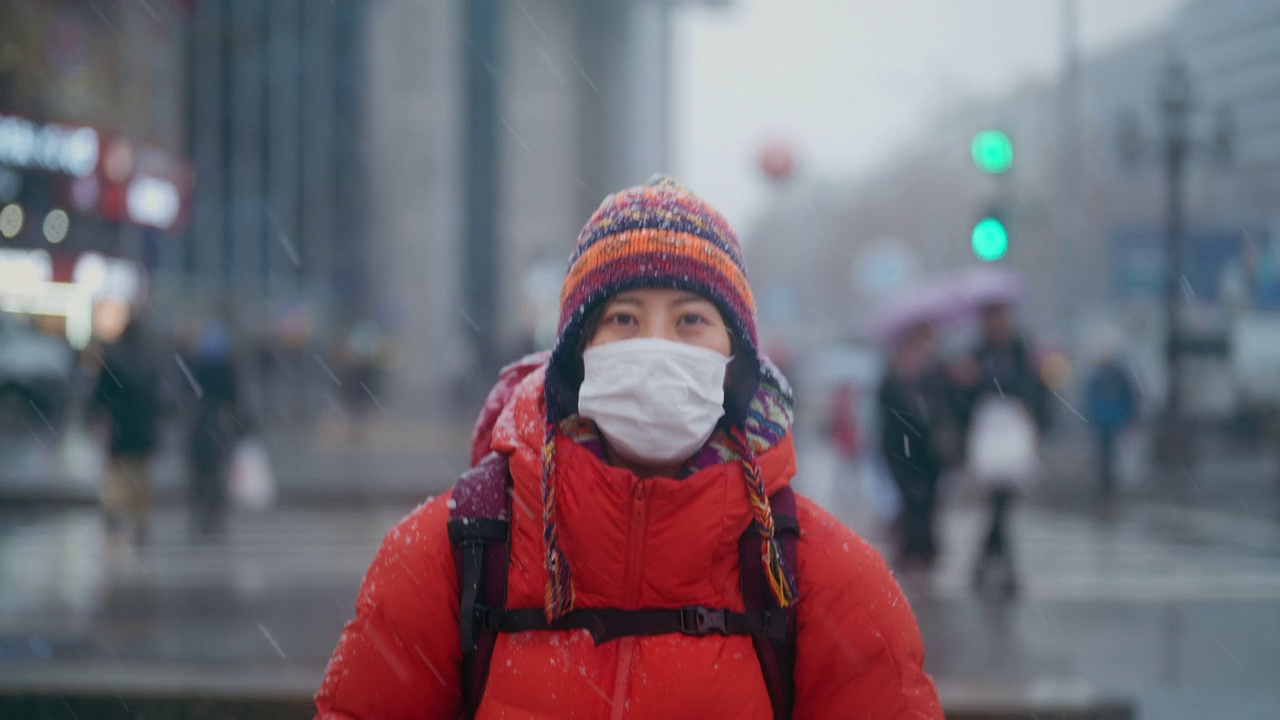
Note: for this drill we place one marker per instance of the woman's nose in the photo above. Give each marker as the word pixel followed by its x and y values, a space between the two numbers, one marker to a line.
pixel 656 329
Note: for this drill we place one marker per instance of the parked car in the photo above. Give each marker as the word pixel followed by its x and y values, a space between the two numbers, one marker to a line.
pixel 35 375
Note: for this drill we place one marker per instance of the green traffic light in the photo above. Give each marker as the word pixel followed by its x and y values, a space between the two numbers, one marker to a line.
pixel 990 239
pixel 992 151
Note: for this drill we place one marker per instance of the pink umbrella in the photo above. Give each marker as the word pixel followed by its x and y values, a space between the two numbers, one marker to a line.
pixel 982 285
pixel 931 301
pixel 945 298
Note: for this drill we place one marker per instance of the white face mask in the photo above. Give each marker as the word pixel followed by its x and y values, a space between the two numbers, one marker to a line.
pixel 656 401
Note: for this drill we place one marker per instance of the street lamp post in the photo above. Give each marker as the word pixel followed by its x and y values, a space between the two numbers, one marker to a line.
pixel 1176 105
pixel 481 173
pixel 1177 101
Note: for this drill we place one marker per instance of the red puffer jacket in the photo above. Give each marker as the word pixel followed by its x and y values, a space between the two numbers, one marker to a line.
pixel 633 544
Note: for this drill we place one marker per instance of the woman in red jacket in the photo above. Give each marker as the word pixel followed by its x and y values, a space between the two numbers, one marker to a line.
pixel 638 456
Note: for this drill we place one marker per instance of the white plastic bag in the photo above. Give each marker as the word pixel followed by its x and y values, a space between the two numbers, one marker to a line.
pixel 1133 458
pixel 251 483
pixel 1003 445
pixel 880 491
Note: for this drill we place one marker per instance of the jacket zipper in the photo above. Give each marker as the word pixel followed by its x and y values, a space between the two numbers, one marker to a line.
pixel 635 544
pixel 632 575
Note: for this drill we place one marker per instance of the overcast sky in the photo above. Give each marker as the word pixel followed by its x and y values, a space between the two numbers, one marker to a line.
pixel 844 81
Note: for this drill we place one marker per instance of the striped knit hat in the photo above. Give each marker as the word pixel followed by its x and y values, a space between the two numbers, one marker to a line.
pixel 658 236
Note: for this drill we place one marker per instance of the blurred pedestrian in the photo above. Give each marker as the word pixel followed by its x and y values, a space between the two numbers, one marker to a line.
pixel 1111 401
pixel 631 525
pixel 1005 400
pixel 215 429
pixel 361 356
pixel 844 438
pixel 916 437
pixel 845 435
pixel 127 396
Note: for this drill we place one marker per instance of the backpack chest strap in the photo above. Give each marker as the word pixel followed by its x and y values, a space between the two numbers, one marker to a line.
pixel 608 624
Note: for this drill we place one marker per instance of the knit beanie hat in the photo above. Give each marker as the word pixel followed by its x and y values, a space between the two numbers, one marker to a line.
pixel 659 236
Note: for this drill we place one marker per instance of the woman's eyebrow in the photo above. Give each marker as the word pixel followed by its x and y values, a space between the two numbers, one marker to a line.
pixel 688 298
pixel 626 300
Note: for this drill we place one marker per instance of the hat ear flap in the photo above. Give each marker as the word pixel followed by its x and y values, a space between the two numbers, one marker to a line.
pixel 742 380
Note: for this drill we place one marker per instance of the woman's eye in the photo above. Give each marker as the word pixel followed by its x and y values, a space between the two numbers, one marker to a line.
pixel 692 319
pixel 622 319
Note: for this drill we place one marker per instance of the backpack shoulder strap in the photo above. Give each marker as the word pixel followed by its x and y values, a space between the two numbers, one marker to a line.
pixel 775 639
pixel 479 532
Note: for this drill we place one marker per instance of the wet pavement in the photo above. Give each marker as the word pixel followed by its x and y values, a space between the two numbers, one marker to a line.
pixel 1176 606
pixel 378 460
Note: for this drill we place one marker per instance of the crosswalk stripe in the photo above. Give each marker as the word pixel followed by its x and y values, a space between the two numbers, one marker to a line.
pixel 1071 558
pixel 1151 554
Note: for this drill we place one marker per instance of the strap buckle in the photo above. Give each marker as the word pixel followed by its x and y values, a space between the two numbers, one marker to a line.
pixel 488 618
pixel 701 620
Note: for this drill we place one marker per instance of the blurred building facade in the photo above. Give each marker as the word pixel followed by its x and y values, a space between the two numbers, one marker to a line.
pixel 304 163
pixel 583 105
pixel 1234 48
pixel 1092 252
pixel 94 184
pixel 275 97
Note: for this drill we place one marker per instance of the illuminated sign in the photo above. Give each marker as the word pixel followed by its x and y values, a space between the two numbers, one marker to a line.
pixel 86 289
pixel 21 271
pixel 11 218
pixel 107 277
pixel 56 148
pixel 107 175
pixel 153 201
pixel 56 225
pixel 30 275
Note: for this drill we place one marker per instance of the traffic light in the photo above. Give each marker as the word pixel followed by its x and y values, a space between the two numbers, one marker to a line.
pixel 992 151
pixel 990 237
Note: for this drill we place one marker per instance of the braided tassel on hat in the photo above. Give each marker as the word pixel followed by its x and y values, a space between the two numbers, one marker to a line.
pixel 781 582
pixel 559 595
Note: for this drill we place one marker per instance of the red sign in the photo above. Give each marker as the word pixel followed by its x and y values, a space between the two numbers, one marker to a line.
pixel 107 175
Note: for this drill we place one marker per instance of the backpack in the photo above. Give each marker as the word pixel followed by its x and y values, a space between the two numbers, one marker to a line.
pixel 479 533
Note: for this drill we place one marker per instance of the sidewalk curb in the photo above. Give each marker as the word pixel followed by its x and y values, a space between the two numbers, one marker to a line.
pixel 285 691
pixel 378 487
